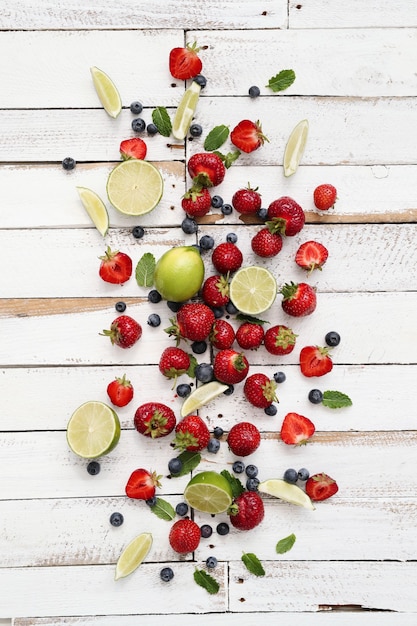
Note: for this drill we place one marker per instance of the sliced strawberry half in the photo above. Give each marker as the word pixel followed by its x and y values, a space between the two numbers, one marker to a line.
pixel 134 148
pixel 321 487
pixel 296 429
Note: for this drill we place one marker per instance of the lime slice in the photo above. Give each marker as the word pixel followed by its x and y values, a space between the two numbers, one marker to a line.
pixel 185 111
pixel 93 430
pixel 294 149
pixel 201 396
pixel 253 290
pixel 133 555
pixel 95 208
pixel 286 491
pixel 134 187
pixel 107 92
pixel 209 492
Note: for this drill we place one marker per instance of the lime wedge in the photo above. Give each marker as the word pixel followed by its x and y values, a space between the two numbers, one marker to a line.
pixel 95 208
pixel 209 492
pixel 294 149
pixel 253 290
pixel 201 396
pixel 93 430
pixel 133 555
pixel 286 491
pixel 106 91
pixel 185 111
pixel 135 187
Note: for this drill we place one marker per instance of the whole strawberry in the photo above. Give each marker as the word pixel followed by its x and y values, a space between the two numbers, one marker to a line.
pixel 142 484
pixel 243 439
pixel 325 197
pixel 120 391
pixel 227 257
pixel 196 202
pixel 320 487
pixel 184 62
pixel 215 291
pixel 134 148
pixel 279 340
pixel 298 299
pixel 249 336
pixel 285 216
pixel 154 419
pixel 206 169
pixel 247 136
pixel 191 434
pixel 266 244
pixel 247 511
pixel 247 201
pixel 184 536
pixel 193 321
pixel 315 361
pixel 230 367
pixel 296 429
pixel 259 390
pixel 115 267
pixel 222 335
pixel 124 331
pixel 174 362
pixel 311 255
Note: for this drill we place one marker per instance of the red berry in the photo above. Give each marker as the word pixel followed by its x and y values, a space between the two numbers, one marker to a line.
pixel 206 169
pixel 315 361
pixel 296 429
pixel 193 321
pixel 215 291
pixel 184 536
pixel 196 202
pixel 185 63
pixel 174 362
pixel 298 299
pixel 266 244
pixel 311 255
pixel 279 340
pixel 124 331
pixel 247 136
pixel 227 257
pixel 259 390
pixel 324 197
pixel 142 484
pixel 120 391
pixel 115 267
pixel 191 434
pixel 247 510
pixel 247 201
pixel 285 216
pixel 134 148
pixel 243 439
pixel 250 336
pixel 154 419
pixel 230 367
pixel 222 335
pixel 321 486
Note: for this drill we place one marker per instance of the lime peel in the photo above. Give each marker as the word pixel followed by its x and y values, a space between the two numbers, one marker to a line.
pixel 133 555
pixel 201 396
pixel 209 492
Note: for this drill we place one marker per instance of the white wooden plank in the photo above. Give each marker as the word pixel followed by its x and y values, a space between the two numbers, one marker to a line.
pixel 358 14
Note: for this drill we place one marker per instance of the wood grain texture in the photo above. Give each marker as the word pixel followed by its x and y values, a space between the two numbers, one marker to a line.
pixel 358 14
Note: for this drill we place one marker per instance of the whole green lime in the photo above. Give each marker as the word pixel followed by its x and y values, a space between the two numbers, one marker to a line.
pixel 179 273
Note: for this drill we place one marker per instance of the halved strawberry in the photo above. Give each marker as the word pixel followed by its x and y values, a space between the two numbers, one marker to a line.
pixel 247 136
pixel 311 255
pixel 142 484
pixel 134 148
pixel 315 361
pixel 184 62
pixel 296 429
pixel 321 487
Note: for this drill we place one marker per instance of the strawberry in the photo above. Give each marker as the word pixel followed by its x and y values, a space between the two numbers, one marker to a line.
pixel 215 291
pixel 134 148
pixel 191 434
pixel 120 391
pixel 250 336
pixel 247 510
pixel 315 361
pixel 206 169
pixel 227 257
pixel 311 255
pixel 266 244
pixel 324 197
pixel 196 202
pixel 185 63
pixel 247 136
pixel 259 390
pixel 279 340
pixel 142 484
pixel 193 321
pixel 154 419
pixel 247 201
pixel 298 299
pixel 115 267
pixel 222 335
pixel 296 429
pixel 184 536
pixel 174 362
pixel 230 367
pixel 285 216
pixel 243 438
pixel 124 331
pixel 321 487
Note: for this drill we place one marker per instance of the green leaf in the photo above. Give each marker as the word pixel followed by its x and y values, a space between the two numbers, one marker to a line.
pixel 336 399
pixel 206 581
pixel 282 80
pixel 189 460
pixel 235 484
pixel 249 318
pixel 284 545
pixel 163 510
pixel 162 121
pixel 216 138
pixel 193 365
pixel 145 270
pixel 229 158
pixel 253 564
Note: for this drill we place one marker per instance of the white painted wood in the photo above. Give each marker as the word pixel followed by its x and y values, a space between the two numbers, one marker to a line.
pixel 358 14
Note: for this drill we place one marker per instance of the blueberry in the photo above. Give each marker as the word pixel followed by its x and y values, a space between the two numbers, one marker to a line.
pixel 213 446
pixel 154 296
pixel 189 226
pixel 138 232
pixel 183 390
pixel 199 347
pixel 262 213
pixel 181 509
pixel 279 377
pixel 238 467
pixel 116 519
pixel 206 242
pixel 222 528
pixel 227 209
pixel 231 309
pixel 251 471
pixel 229 391
pixel 332 338
pixel 206 531
pixel 136 107
pixel 271 410
pixel 303 474
pixel 218 312
pixel 68 163
pixel 315 396
pixel 151 129
pixel 175 465
pixel 120 307
pixel 211 562
pixel 254 91
pixel 166 574
pixel 231 238
pixel 93 468
pixel 138 125
pixel 217 202
pixel 200 80
pixel 290 476
pixel 252 484
pixel 204 372
pixel 196 130
pixel 154 320
pixel 218 432
pixel 174 306
pixel 151 501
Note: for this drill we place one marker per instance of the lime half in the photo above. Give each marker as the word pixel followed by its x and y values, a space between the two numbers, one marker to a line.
pixel 294 149
pixel 253 290
pixel 106 91
pixel 135 187
pixel 95 208
pixel 286 491
pixel 209 492
pixel 93 430
pixel 133 555
pixel 185 111
pixel 201 396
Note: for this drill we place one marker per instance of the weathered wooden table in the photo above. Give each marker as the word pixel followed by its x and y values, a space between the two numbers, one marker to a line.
pixel 354 560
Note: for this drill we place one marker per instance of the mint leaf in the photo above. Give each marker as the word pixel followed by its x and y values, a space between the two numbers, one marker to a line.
pixel 193 365
pixel 206 581
pixel 163 510
pixel 249 318
pixel 336 399
pixel 162 121
pixel 189 460
pixel 145 269
pixel 216 138
pixel 235 484
pixel 282 80
pixel 284 545
pixel 253 564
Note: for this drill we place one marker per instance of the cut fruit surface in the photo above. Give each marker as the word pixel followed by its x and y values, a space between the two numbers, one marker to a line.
pixel 286 491
pixel 185 111
pixel 134 187
pixel 106 91
pixel 93 430
pixel 202 396
pixel 253 290
pixel 133 555
pixel 209 492
pixel 95 208
pixel 294 149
